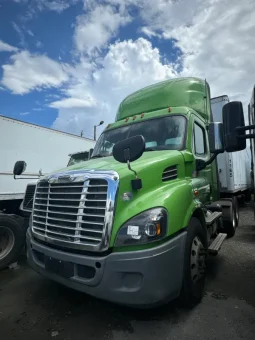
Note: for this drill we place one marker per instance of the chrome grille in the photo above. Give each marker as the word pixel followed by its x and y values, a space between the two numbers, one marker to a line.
pixel 74 214
pixel 169 173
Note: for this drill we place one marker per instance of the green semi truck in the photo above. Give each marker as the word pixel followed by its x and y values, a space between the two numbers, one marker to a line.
pixel 135 223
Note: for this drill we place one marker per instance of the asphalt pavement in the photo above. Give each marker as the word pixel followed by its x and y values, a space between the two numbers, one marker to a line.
pixel 33 307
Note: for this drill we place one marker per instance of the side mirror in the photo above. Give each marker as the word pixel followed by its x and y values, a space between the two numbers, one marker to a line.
pixel 216 138
pixel 233 118
pixel 19 168
pixel 127 151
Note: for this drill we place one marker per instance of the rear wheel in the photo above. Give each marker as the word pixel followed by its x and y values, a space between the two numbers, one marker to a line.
pixel 229 221
pixel 236 209
pixel 194 264
pixel 12 238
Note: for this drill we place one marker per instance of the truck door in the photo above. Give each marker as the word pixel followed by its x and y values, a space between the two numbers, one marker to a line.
pixel 201 182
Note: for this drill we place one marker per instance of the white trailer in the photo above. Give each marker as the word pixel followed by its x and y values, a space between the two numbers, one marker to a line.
pixel 234 167
pixel 27 203
pixel 44 150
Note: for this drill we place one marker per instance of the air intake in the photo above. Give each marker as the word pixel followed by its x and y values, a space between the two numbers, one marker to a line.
pixel 169 173
pixel 29 197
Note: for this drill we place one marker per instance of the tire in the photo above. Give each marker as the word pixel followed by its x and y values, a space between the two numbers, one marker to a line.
pixel 12 238
pixel 229 221
pixel 194 269
pixel 236 209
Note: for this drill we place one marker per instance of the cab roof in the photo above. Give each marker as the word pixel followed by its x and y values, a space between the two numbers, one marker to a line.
pixel 189 92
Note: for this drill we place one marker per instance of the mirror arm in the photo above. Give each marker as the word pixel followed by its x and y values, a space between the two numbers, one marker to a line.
pixel 25 177
pixel 129 167
pixel 249 135
pixel 201 165
pixel 212 158
pixel 244 128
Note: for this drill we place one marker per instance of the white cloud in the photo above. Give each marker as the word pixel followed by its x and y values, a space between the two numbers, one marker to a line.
pixel 51 5
pixel 217 46
pixel 24 113
pixel 29 32
pixel 149 32
pixel 32 8
pixel 215 39
pixel 39 44
pixel 97 27
pixel 38 109
pixel 73 103
pixel 4 47
pixel 20 33
pixel 128 66
pixel 56 5
pixel 29 72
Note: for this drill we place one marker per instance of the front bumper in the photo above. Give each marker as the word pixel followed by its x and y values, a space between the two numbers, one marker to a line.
pixel 138 278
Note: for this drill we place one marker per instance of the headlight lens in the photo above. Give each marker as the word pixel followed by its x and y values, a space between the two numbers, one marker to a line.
pixel 147 227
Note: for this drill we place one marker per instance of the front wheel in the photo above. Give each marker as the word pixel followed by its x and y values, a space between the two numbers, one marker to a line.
pixel 12 238
pixel 194 272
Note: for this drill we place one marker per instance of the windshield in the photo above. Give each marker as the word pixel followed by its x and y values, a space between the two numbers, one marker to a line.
pixel 164 133
pixel 77 158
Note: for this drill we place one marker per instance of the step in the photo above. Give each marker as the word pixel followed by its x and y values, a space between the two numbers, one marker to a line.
pixel 213 217
pixel 216 244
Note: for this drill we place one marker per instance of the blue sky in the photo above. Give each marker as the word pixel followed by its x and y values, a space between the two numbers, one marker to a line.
pixel 68 63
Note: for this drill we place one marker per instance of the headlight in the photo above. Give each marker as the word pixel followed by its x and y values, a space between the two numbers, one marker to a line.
pixel 147 227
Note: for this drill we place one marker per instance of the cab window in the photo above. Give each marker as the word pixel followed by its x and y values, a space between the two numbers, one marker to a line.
pixel 199 140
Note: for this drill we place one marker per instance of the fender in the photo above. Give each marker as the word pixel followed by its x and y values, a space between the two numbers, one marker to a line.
pixel 176 197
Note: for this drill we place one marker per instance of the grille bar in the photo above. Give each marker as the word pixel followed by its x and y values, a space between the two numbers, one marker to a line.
pixel 74 213
pixel 69 200
pixel 64 213
pixel 74 236
pixel 72 228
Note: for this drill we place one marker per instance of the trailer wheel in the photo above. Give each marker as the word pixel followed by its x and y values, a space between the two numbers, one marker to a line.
pixel 12 238
pixel 229 220
pixel 194 272
pixel 236 209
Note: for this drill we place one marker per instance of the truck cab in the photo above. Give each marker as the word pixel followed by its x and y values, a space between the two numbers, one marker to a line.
pixel 135 223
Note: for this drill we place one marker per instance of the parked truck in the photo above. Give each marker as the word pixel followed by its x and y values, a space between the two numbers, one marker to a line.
pixel 40 147
pixel 135 223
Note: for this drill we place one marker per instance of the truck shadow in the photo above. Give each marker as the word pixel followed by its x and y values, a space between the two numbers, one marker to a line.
pixel 63 307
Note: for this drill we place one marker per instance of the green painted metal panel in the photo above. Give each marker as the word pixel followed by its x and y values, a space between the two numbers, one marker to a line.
pixel 190 92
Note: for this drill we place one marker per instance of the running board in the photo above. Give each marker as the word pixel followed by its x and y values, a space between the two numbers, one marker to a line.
pixel 213 217
pixel 216 244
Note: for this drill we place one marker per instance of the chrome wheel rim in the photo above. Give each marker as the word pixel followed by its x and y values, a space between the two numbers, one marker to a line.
pixel 197 260
pixel 6 241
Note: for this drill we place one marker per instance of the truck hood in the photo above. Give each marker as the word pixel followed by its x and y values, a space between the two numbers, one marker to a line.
pixel 149 159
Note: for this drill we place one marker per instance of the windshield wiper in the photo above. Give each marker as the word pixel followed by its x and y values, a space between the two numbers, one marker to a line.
pixel 150 149
pixel 97 156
